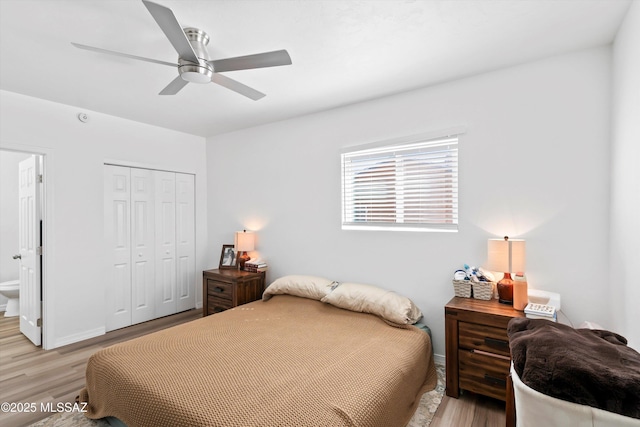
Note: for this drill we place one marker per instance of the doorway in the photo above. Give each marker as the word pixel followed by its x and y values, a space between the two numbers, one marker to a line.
pixel 22 235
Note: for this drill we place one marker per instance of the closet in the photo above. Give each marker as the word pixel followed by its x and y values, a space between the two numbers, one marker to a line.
pixel 149 232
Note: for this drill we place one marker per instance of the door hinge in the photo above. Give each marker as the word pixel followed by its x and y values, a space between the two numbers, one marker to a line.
pixel 39 323
pixel 40 178
pixel 39 250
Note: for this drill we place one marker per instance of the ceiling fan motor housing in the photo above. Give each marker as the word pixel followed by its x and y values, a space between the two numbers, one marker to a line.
pixel 196 73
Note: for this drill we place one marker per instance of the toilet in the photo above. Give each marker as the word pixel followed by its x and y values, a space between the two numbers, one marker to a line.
pixel 11 291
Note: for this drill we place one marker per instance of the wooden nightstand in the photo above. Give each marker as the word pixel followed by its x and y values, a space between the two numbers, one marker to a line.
pixel 477 346
pixel 224 289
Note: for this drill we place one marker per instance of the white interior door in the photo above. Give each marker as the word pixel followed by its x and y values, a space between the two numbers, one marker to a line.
pixel 142 245
pixel 117 236
pixel 185 241
pixel 165 243
pixel 29 242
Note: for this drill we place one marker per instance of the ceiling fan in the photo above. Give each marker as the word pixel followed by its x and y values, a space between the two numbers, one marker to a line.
pixel 194 64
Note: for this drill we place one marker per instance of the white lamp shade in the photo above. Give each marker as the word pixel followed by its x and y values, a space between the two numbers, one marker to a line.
pixel 506 256
pixel 244 241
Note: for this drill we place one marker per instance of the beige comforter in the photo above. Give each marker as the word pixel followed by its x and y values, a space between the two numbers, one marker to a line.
pixel 289 361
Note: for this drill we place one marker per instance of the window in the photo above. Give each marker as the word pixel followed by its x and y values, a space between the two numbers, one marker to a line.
pixel 406 185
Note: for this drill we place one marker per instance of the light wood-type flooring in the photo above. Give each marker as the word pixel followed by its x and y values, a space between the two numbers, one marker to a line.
pixel 29 374
pixel 470 410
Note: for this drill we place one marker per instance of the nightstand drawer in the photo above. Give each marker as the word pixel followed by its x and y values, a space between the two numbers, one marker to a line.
pixel 216 305
pixel 220 289
pixel 228 288
pixel 481 337
pixel 483 373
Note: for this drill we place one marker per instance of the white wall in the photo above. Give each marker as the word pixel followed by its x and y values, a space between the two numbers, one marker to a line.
pixel 9 216
pixel 625 178
pixel 74 302
pixel 534 164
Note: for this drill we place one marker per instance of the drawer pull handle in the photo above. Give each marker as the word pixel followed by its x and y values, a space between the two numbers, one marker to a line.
pixel 495 356
pixel 495 381
pixel 492 342
pixel 218 289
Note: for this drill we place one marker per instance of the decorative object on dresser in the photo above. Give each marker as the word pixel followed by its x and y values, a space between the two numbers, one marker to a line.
pixel 474 282
pixel 506 256
pixel 228 258
pixel 477 346
pixel 520 291
pixel 224 289
pixel 244 241
pixel 256 266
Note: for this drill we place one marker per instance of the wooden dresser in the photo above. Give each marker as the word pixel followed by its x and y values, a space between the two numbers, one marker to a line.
pixel 477 346
pixel 224 289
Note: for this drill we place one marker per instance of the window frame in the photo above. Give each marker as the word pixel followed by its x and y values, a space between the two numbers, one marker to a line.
pixel 425 141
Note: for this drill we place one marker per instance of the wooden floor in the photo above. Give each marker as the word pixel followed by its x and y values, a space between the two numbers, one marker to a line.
pixel 470 410
pixel 29 374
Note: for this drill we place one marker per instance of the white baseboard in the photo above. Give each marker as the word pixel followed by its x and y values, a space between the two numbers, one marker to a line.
pixel 439 359
pixel 199 305
pixel 3 307
pixel 70 339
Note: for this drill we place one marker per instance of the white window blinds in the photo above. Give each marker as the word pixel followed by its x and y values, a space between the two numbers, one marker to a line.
pixel 410 186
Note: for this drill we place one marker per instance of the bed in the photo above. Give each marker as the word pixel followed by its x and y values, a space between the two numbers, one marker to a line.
pixel 288 360
pixel 565 377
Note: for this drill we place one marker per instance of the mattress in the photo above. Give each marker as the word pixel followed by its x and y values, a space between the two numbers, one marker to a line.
pixel 289 361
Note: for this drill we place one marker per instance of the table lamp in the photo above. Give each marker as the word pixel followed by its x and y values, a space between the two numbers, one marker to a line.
pixel 508 256
pixel 244 241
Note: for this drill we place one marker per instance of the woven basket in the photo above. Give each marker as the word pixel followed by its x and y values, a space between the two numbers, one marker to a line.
pixel 483 290
pixel 462 288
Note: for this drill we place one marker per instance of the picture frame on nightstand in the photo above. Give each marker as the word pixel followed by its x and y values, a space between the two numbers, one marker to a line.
pixel 228 258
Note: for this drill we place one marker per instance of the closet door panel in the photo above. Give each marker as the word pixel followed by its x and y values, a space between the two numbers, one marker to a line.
pixel 185 223
pixel 117 236
pixel 165 205
pixel 143 245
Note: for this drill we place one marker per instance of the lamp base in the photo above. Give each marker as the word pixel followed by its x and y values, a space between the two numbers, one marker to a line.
pixel 505 290
pixel 242 259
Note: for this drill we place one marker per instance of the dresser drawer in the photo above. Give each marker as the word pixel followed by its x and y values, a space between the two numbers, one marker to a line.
pixel 216 305
pixel 483 373
pixel 220 289
pixel 481 337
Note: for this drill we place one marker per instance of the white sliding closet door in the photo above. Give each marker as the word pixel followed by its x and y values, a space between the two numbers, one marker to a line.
pixel 166 301
pixel 150 237
pixel 185 239
pixel 142 245
pixel 117 236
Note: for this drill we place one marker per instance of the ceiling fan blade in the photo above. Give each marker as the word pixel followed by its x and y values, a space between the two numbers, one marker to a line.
pixel 259 60
pixel 174 87
pixel 126 55
pixel 237 87
pixel 172 29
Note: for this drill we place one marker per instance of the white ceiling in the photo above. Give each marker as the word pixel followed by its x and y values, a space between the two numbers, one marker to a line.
pixel 343 52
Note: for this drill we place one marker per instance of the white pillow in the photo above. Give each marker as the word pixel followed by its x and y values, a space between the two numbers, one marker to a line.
pixel 301 286
pixel 374 300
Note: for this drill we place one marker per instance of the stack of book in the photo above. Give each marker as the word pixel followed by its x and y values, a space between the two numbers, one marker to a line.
pixel 255 266
pixel 541 311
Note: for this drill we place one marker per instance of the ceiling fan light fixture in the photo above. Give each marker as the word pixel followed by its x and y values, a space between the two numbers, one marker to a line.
pixel 195 77
pixel 195 73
